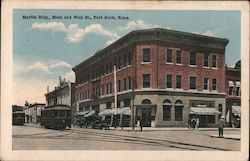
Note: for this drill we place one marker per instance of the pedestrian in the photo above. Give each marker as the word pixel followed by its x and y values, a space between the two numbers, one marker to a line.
pixel 221 126
pixel 193 122
pixel 197 124
pixel 141 124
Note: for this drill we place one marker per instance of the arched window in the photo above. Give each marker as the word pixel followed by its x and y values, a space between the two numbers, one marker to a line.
pixel 166 110
pixel 220 107
pixel 146 101
pixel 178 110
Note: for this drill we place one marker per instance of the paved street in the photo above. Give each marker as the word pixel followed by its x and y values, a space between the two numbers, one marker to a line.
pixel 34 137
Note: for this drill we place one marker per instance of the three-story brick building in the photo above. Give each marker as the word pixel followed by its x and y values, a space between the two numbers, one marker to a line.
pixel 167 76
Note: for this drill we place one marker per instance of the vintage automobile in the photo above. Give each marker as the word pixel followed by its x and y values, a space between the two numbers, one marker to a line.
pixel 99 124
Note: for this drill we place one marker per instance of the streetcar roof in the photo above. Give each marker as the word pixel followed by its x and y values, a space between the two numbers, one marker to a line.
pixel 19 112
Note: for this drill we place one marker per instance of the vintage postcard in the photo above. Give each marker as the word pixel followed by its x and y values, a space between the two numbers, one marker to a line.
pixel 123 80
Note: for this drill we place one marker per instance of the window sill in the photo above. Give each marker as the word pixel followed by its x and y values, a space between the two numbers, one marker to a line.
pixel 206 67
pixel 178 64
pixel 214 68
pixel 169 63
pixel 192 66
pixel 145 62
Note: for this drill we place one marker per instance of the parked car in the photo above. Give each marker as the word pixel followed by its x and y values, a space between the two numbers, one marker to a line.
pixel 98 124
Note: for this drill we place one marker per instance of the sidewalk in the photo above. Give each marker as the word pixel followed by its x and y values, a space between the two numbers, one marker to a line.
pixel 235 137
pixel 171 129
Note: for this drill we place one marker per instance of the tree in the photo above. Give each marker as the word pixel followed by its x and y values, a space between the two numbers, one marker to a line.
pixel 26 103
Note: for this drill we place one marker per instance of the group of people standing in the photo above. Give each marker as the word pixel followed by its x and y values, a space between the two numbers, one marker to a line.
pixel 194 123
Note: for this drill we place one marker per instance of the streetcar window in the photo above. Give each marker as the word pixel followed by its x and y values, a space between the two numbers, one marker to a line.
pixel 61 113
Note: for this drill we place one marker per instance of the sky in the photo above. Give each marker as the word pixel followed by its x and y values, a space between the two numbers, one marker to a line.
pixel 45 48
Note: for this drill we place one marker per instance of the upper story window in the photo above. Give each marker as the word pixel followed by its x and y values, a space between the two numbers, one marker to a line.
pixel 214 60
pixel 102 89
pixel 230 88
pixel 129 58
pixel 110 87
pixel 237 91
pixel 206 84
pixel 119 63
pixel 178 57
pixel 169 80
pixel 178 81
pixel 125 60
pixel 192 82
pixel 214 84
pixel 119 85
pixel 206 58
pixel 146 55
pixel 107 88
pixel 192 58
pixel 146 80
pixel 169 56
pixel 124 84
pixel 129 82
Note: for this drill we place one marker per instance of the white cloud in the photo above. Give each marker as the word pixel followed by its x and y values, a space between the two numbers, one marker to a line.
pixel 60 64
pixel 74 33
pixel 139 24
pixel 207 33
pixel 69 76
pixel 40 67
pixel 23 67
pixel 53 26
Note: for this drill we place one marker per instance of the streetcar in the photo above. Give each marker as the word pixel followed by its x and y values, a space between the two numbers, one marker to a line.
pixel 56 117
pixel 18 118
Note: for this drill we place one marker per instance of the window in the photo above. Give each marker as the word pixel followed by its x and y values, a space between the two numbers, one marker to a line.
pixel 237 92
pixel 211 119
pixel 125 61
pixel 146 102
pixel 192 58
pixel 206 84
pixel 129 58
pixel 119 85
pixel 146 80
pixel 88 93
pixel 127 102
pixel 178 110
pixel 214 61
pixel 178 81
pixel 178 57
pixel 230 91
pixel 206 57
pixel 108 105
pixel 129 82
pixel 102 89
pixel 214 84
pixel 107 68
pixel 119 63
pixel 167 110
pixel 82 95
pixel 146 55
pixel 192 83
pixel 107 88
pixel 110 87
pixel 124 84
pixel 169 80
pixel 169 55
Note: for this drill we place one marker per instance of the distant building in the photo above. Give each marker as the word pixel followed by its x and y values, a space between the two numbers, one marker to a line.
pixel 33 111
pixel 233 98
pixel 62 94
pixel 167 76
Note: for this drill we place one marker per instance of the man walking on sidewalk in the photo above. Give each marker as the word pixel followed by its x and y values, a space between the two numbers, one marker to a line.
pixel 221 126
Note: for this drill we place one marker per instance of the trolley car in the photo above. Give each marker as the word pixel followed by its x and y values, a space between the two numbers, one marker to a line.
pixel 18 118
pixel 56 117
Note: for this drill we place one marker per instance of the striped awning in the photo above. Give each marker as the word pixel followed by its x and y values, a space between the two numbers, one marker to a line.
pixel 124 111
pixel 104 112
pixel 90 113
pixel 83 113
pixel 203 111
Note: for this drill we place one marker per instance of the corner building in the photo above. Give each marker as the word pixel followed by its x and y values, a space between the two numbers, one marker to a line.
pixel 167 76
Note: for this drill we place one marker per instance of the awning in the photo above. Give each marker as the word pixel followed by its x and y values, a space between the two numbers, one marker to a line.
pixel 124 111
pixel 236 110
pixel 203 111
pixel 104 112
pixel 90 113
pixel 83 113
pixel 237 83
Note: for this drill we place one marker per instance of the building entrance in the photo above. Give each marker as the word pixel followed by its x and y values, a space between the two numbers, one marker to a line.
pixel 146 117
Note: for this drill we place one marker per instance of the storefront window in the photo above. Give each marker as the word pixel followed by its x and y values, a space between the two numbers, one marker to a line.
pixel 211 119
